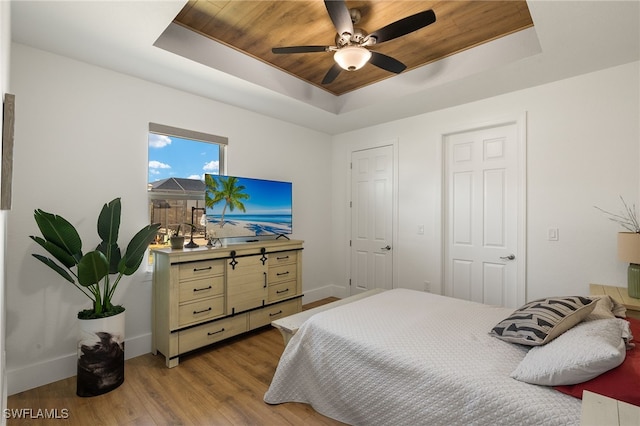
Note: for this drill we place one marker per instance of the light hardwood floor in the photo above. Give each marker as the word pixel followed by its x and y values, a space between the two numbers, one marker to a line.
pixel 219 385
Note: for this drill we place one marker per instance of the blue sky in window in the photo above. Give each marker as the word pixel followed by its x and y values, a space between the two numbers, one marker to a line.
pixel 181 158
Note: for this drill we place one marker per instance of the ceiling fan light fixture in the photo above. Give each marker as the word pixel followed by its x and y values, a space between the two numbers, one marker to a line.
pixel 352 58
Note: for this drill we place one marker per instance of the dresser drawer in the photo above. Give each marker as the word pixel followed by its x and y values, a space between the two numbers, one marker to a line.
pixel 205 268
pixel 282 273
pixel 276 259
pixel 206 334
pixel 202 310
pixel 264 316
pixel 282 290
pixel 200 289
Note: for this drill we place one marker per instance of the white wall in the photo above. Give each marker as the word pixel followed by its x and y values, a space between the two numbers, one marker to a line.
pixel 5 43
pixel 583 149
pixel 80 141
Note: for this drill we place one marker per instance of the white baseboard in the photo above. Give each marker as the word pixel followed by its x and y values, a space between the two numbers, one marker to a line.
pixel 43 373
pixel 324 292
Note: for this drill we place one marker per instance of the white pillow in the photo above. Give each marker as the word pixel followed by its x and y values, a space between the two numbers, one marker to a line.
pixel 580 354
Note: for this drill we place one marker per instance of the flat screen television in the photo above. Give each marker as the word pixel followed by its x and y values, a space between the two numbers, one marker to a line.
pixel 246 207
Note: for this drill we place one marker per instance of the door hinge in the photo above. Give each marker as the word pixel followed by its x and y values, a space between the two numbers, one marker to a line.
pixel 351 166
pixel 349 282
pixel 350 204
pixel 349 243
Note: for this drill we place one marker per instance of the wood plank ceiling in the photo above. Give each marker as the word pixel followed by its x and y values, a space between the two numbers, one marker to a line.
pixel 254 27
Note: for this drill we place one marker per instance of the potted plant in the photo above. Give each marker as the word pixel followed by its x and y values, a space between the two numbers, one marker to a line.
pixel 176 240
pixel 96 274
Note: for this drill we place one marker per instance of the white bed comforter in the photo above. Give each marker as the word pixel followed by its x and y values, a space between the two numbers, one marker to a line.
pixel 405 357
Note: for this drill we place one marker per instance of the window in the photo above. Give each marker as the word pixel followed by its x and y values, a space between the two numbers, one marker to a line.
pixel 178 160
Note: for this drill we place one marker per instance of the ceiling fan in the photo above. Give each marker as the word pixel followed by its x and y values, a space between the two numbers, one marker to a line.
pixel 351 49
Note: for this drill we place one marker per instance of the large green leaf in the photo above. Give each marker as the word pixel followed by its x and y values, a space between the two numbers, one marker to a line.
pixel 137 246
pixel 59 253
pixel 92 268
pixel 60 232
pixel 109 221
pixel 53 265
pixel 114 256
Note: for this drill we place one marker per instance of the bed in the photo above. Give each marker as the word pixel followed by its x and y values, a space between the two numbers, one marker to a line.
pixel 409 357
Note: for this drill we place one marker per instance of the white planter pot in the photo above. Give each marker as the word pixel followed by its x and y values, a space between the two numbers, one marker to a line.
pixel 100 355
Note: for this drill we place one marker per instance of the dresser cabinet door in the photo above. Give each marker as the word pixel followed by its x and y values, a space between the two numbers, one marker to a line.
pixel 246 283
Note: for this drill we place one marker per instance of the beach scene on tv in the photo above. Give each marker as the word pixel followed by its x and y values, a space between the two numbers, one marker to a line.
pixel 246 207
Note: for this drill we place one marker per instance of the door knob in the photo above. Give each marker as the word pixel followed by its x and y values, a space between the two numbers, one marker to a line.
pixel 510 257
pixel 387 248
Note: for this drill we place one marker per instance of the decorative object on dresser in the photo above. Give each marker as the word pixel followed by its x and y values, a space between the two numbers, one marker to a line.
pixel 204 295
pixel 176 240
pixel 629 251
pixel 191 243
pixel 101 335
pixel 629 244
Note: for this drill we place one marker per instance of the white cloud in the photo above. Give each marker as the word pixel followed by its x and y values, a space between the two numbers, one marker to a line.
pixel 158 165
pixel 158 141
pixel 211 166
pixel 198 177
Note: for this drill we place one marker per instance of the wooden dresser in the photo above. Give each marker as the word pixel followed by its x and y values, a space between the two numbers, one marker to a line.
pixel 205 295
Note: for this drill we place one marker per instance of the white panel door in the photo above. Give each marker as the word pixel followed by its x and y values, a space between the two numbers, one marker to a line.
pixel 481 218
pixel 371 219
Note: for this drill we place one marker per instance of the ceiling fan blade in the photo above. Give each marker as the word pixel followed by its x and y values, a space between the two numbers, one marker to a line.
pixel 331 74
pixel 386 62
pixel 299 49
pixel 404 26
pixel 340 16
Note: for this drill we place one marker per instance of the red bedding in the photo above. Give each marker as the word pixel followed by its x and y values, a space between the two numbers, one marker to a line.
pixel 621 383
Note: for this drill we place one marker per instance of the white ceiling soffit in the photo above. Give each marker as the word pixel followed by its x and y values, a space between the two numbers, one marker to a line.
pixel 203 50
pixel 568 38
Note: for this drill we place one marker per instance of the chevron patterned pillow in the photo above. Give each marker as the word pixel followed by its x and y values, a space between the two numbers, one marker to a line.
pixel 541 321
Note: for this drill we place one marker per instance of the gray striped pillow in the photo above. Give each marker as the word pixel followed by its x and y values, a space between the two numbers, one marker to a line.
pixel 541 321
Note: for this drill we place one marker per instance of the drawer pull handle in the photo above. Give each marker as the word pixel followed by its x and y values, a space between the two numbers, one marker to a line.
pixel 208 268
pixel 265 279
pixel 202 289
pixel 282 258
pixel 215 332
pixel 202 311
pixel 282 273
pixel 282 291
pixel 277 313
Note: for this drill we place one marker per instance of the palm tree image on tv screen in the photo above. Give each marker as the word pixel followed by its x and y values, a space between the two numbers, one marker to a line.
pixel 247 207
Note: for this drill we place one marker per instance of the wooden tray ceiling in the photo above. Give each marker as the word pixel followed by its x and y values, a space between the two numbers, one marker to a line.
pixel 254 27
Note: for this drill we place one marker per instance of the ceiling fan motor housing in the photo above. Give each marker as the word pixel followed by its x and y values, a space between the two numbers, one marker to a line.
pixel 357 38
